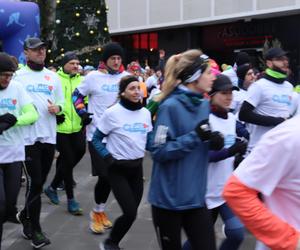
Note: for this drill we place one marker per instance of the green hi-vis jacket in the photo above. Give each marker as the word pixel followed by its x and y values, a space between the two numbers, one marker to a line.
pixel 72 123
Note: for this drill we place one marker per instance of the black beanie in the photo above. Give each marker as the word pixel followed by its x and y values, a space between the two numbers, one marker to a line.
pixel 6 63
pixel 125 81
pixel 112 49
pixel 242 58
pixel 69 56
pixel 242 71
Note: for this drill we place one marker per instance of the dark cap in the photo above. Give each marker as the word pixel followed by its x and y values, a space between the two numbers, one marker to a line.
pixel 7 63
pixel 69 56
pixel 242 58
pixel 33 43
pixel 222 83
pixel 274 53
pixel 112 49
pixel 242 71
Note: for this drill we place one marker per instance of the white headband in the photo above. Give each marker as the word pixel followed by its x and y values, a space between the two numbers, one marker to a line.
pixel 194 77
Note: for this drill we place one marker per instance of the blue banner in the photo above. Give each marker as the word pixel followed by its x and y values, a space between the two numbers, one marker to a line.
pixel 18 21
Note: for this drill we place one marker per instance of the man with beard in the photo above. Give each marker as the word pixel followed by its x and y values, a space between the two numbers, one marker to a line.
pixel 269 100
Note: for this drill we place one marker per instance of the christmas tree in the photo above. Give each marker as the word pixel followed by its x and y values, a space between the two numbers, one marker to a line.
pixel 80 26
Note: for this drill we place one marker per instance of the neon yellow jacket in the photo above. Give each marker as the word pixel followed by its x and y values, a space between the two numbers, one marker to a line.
pixel 72 123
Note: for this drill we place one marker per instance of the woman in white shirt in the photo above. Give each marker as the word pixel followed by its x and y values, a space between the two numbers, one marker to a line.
pixel 125 126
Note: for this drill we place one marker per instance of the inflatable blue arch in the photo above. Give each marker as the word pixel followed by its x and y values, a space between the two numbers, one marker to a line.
pixel 18 21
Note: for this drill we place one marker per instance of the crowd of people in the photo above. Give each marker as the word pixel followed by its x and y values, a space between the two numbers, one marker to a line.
pixel 222 141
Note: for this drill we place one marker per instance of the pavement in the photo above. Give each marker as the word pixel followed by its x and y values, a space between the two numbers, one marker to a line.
pixel 68 232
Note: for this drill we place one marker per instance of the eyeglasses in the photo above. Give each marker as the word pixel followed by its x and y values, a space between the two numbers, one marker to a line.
pixel 6 75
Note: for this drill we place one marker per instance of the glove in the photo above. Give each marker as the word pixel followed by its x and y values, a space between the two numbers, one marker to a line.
pixel 86 118
pixel 216 141
pixel 7 121
pixel 239 147
pixel 60 119
pixel 109 160
pixel 203 130
pixel 8 118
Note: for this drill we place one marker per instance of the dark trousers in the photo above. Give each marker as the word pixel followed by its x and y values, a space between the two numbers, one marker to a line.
pixel 127 187
pixel 197 224
pixel 71 148
pixel 38 162
pixel 99 168
pixel 10 181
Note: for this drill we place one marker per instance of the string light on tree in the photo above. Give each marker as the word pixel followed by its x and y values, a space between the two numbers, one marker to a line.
pixel 57 21
pixel 49 51
pixel 62 49
pixel 87 60
pixel 82 28
pixel 58 1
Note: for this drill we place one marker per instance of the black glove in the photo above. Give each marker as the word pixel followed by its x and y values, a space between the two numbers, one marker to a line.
pixel 60 119
pixel 239 147
pixel 216 141
pixel 8 118
pixel 109 160
pixel 203 130
pixel 86 118
pixel 7 121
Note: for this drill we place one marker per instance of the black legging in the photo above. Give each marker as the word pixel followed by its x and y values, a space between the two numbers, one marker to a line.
pixel 127 186
pixel 71 148
pixel 38 162
pixel 10 182
pixel 99 168
pixel 197 224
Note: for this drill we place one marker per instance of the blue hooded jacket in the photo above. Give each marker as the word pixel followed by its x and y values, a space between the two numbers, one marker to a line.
pixel 180 158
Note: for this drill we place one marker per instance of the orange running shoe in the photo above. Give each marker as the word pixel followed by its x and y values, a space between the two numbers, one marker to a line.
pixel 96 225
pixel 105 221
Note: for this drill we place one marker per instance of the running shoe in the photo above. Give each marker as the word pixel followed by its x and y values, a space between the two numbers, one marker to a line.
pixel 27 229
pixel 39 240
pixel 96 225
pixel 74 208
pixel 105 221
pixel 108 245
pixel 52 195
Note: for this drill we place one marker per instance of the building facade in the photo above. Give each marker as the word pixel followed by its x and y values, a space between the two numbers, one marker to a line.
pixel 220 28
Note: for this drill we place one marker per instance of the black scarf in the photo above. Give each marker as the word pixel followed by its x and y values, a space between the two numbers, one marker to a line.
pixel 219 112
pixel 35 66
pixel 130 105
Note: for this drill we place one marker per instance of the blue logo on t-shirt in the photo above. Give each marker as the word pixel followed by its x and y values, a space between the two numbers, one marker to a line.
pixel 229 140
pixel 110 87
pixel 8 103
pixel 282 99
pixel 136 127
pixel 40 88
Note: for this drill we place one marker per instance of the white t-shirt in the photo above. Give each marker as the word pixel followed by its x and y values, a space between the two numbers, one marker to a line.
pixel 12 99
pixel 219 172
pixel 102 91
pixel 238 97
pixel 127 131
pixel 270 99
pixel 42 86
pixel 152 81
pixel 273 168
